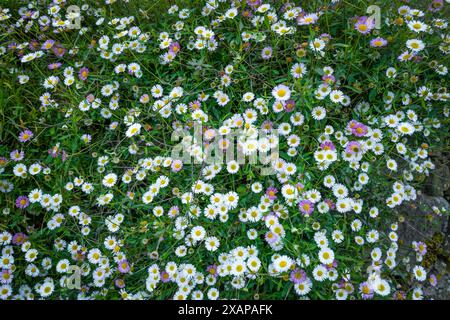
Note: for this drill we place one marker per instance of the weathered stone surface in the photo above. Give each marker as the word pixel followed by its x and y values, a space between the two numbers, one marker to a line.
pixel 439 180
pixel 427 220
pixel 442 290
pixel 421 220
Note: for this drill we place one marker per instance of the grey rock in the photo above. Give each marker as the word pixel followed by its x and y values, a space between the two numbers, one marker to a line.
pixel 420 218
pixel 439 180
pixel 427 219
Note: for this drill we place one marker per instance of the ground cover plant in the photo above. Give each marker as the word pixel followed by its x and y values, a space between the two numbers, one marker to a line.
pixel 217 149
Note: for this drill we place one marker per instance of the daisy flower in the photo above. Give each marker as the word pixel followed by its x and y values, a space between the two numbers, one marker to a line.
pixel 281 92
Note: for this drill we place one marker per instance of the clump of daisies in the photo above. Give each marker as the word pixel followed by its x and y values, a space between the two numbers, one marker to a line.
pixel 212 153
